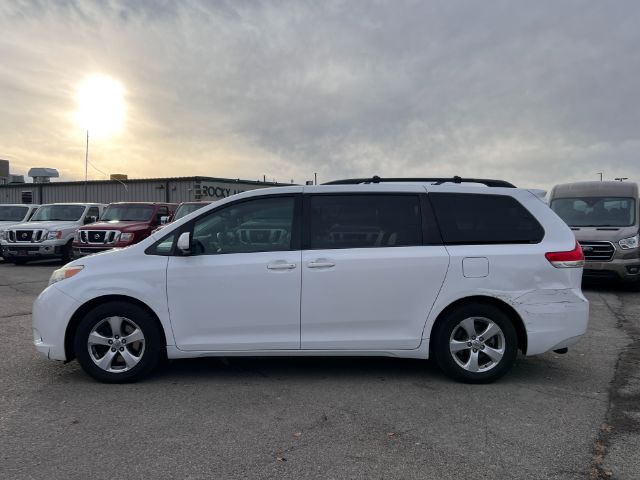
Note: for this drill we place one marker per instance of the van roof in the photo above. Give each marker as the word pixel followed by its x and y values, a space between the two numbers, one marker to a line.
pixel 595 189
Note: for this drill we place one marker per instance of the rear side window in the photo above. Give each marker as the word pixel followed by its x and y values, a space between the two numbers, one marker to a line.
pixel 364 221
pixel 469 218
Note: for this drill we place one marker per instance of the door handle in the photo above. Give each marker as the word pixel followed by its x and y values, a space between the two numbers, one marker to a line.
pixel 281 266
pixel 321 263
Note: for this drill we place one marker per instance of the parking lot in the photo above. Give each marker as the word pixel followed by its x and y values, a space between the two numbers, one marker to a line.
pixel 554 416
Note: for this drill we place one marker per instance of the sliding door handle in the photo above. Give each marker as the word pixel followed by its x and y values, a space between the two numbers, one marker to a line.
pixel 281 266
pixel 321 264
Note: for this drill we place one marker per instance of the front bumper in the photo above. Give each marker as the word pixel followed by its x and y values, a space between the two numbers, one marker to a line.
pixel 83 251
pixel 31 250
pixel 52 311
pixel 625 269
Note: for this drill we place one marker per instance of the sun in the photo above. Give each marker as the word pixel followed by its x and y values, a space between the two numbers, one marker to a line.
pixel 101 105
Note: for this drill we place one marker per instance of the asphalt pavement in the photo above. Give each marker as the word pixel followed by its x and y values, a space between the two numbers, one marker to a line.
pixel 572 416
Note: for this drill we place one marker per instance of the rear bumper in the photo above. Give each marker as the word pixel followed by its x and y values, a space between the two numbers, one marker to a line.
pixel 553 319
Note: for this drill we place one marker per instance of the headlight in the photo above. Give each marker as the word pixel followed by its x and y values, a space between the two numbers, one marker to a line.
pixel 126 237
pixel 64 273
pixel 631 242
pixel 3 235
pixel 54 235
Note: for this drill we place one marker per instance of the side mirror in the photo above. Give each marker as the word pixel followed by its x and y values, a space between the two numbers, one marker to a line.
pixel 184 243
pixel 88 220
pixel 164 219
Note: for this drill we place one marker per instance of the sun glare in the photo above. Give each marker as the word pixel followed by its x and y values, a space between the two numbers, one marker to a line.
pixel 100 105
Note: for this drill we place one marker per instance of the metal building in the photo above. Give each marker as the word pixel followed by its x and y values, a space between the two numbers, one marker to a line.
pixel 172 190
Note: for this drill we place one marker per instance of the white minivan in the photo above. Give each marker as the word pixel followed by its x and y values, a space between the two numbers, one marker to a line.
pixel 413 268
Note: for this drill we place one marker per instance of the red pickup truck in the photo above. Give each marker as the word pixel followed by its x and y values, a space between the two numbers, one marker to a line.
pixel 122 224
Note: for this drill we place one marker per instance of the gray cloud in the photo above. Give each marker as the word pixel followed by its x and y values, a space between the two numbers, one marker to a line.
pixel 534 92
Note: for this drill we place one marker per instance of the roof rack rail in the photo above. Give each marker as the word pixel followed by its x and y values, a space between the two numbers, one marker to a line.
pixel 436 181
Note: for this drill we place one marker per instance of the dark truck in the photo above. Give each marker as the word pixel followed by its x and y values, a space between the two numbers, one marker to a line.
pixel 122 224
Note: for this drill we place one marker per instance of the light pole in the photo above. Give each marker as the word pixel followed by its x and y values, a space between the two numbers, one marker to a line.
pixel 599 173
pixel 86 169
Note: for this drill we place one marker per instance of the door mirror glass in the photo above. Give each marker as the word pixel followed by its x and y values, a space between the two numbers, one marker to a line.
pixel 90 219
pixel 184 243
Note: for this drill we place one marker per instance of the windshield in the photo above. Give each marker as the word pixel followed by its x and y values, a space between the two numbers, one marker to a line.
pixel 127 213
pixel 69 213
pixel 596 211
pixel 12 213
pixel 187 208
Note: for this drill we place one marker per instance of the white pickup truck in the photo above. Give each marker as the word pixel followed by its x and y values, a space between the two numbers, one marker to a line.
pixel 49 233
pixel 12 214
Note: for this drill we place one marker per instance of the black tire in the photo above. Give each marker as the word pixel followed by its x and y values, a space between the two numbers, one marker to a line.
pixel 67 253
pixel 17 261
pixel 149 352
pixel 450 329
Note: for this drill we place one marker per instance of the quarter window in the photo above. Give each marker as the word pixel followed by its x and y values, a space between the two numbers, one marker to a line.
pixel 471 218
pixel 364 221
pixel 260 225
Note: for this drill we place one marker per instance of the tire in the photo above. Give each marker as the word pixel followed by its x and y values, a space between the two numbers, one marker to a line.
pixel 67 253
pixel 118 361
pixel 455 347
pixel 17 261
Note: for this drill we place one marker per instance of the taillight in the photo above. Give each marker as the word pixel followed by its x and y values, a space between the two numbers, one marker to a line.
pixel 571 259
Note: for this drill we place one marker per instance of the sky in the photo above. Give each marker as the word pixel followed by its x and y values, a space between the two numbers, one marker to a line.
pixel 536 93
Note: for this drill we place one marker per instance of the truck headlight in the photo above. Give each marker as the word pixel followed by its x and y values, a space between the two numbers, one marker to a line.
pixel 126 237
pixel 631 242
pixel 64 273
pixel 54 235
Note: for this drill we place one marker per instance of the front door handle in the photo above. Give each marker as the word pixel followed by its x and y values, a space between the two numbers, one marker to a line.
pixel 321 263
pixel 281 266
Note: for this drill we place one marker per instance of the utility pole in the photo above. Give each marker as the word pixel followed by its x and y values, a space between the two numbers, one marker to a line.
pixel 315 178
pixel 599 173
pixel 86 169
pixel 622 179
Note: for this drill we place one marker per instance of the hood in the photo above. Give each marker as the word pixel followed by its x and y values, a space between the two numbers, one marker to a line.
pixel 7 223
pixel 603 234
pixel 52 225
pixel 115 225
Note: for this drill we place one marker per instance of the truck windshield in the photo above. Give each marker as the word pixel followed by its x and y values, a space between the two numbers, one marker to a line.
pixel 70 213
pixel 187 208
pixel 12 213
pixel 596 211
pixel 127 213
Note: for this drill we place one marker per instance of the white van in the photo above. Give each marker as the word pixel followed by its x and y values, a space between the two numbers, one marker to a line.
pixel 414 268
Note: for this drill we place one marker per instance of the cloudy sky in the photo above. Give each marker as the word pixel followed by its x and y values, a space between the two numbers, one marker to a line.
pixel 533 92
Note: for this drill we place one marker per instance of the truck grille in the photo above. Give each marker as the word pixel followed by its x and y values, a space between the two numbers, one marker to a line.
pixel 98 237
pixel 26 236
pixel 598 251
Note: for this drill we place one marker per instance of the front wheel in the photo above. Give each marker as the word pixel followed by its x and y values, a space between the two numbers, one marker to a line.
pixel 118 342
pixel 475 343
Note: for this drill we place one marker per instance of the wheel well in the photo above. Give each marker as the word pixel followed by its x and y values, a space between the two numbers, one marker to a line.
pixel 505 307
pixel 70 333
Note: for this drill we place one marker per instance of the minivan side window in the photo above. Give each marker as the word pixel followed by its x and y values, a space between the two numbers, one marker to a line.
pixel 471 218
pixel 364 221
pixel 260 225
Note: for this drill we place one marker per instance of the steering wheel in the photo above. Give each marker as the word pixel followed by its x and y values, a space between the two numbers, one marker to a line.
pixel 198 246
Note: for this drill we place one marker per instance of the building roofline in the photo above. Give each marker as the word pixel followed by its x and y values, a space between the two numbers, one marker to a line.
pixel 151 180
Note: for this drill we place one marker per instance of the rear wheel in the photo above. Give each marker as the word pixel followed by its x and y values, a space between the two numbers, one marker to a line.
pixel 475 343
pixel 118 342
